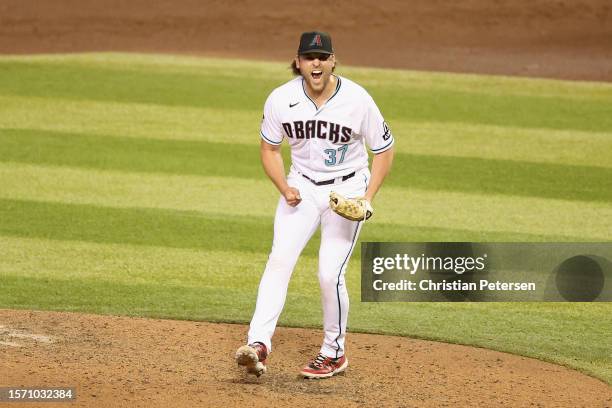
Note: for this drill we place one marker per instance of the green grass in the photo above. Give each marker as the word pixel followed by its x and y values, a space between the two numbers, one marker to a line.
pixel 570 182
pixel 131 184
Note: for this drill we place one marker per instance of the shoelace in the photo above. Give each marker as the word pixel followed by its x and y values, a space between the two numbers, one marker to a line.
pixel 319 361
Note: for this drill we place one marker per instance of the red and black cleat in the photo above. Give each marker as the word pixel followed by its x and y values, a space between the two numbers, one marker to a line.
pixel 253 357
pixel 324 367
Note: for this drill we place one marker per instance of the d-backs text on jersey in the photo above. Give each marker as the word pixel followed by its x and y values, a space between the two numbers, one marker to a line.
pixel 320 129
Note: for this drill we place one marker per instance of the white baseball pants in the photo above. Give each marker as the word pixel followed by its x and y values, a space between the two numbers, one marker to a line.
pixel 293 228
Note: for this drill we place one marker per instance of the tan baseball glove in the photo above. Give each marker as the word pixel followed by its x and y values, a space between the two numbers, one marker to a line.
pixel 354 209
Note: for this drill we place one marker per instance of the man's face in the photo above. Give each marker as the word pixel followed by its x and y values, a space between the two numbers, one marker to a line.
pixel 316 69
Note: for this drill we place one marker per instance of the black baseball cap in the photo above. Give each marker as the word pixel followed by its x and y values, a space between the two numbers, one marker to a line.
pixel 315 41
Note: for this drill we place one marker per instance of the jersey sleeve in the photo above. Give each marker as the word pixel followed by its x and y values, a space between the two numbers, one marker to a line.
pixel 270 124
pixel 377 133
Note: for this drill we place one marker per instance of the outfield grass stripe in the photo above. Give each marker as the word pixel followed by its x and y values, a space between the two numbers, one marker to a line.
pixel 503 143
pixel 122 298
pixel 216 90
pixel 370 77
pixel 493 85
pixel 130 154
pixel 400 206
pixel 90 223
pixel 159 63
pixel 230 195
pixel 98 83
pixel 131 119
pixel 137 264
pixel 475 175
pixel 425 105
pixel 125 263
pixel 242 127
pixel 491 213
pixel 581 183
pixel 206 231
pixel 138 226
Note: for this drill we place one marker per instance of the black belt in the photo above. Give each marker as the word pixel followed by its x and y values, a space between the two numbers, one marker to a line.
pixel 326 182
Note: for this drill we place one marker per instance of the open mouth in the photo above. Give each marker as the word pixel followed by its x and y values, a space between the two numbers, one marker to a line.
pixel 316 74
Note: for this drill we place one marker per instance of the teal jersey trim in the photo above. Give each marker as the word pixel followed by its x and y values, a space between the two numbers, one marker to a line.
pixel 376 151
pixel 268 140
pixel 330 98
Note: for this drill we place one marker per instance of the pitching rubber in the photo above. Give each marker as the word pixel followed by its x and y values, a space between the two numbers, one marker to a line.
pixel 247 356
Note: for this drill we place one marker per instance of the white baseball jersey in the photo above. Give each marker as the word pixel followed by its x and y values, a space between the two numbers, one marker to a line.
pixel 329 141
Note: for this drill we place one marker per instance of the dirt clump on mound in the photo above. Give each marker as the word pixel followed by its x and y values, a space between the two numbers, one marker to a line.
pixel 542 38
pixel 135 362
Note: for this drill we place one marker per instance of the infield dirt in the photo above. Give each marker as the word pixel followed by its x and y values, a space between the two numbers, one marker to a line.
pixel 118 361
pixel 127 362
pixel 545 38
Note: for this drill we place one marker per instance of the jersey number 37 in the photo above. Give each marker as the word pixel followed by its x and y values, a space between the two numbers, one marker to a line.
pixel 332 155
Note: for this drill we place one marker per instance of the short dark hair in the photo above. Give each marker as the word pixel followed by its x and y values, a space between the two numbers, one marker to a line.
pixel 296 71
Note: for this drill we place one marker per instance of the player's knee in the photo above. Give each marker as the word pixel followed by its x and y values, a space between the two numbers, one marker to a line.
pixel 280 263
pixel 330 281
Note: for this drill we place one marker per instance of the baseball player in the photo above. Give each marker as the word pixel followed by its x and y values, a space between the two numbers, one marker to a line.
pixel 328 121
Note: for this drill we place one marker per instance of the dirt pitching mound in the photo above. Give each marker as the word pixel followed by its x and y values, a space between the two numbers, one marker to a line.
pixel 127 362
pixel 544 38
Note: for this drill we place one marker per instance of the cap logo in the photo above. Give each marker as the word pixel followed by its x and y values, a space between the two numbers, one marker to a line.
pixel 316 41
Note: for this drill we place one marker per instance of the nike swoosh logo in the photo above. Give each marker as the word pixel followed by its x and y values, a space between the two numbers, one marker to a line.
pixel 291 105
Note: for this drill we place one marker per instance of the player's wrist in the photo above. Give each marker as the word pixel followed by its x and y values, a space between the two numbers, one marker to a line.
pixel 284 190
pixel 291 193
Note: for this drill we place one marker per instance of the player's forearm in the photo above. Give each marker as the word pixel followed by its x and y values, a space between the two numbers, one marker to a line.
pixel 272 162
pixel 381 164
